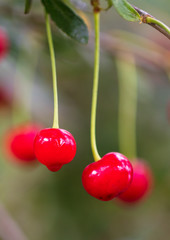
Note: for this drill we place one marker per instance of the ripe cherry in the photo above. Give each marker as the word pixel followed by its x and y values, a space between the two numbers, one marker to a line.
pixel 20 141
pixel 54 147
pixel 4 43
pixel 141 183
pixel 108 177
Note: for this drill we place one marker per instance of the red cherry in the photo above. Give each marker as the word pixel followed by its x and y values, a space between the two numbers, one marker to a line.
pixel 141 183
pixel 20 141
pixel 108 177
pixel 54 147
pixel 4 43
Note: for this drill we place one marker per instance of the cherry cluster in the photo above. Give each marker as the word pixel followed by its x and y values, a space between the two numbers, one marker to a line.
pixel 111 176
pixel 52 147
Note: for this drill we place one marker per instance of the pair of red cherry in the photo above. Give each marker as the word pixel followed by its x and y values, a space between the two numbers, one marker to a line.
pixel 52 147
pixel 113 176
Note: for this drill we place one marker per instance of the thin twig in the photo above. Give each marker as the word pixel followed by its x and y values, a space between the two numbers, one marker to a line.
pixel 144 15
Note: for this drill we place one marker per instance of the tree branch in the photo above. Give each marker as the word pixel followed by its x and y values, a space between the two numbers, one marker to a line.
pixel 153 22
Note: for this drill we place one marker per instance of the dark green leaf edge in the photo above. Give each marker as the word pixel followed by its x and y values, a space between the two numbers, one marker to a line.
pixel 69 22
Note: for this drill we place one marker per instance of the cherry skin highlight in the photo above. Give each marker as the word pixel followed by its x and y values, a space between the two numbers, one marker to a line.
pixel 108 177
pixel 4 43
pixel 20 142
pixel 54 147
pixel 141 183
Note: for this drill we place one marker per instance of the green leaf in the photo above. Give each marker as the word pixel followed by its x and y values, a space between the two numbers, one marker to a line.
pixel 28 4
pixel 67 20
pixel 126 10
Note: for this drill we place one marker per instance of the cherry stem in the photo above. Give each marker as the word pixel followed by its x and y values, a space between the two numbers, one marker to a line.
pixel 54 73
pixel 127 78
pixel 95 86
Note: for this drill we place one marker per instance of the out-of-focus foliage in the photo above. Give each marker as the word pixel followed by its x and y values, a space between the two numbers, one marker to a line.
pixel 54 205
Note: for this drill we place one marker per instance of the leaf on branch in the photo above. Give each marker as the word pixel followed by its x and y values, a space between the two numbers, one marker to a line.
pixel 126 10
pixel 28 4
pixel 67 20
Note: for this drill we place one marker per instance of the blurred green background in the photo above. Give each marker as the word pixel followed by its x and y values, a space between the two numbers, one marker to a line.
pixel 54 205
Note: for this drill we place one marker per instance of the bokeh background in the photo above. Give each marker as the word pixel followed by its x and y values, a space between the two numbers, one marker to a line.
pixel 55 206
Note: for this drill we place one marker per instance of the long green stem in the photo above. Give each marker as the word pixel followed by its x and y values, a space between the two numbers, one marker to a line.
pixel 95 86
pixel 127 78
pixel 54 73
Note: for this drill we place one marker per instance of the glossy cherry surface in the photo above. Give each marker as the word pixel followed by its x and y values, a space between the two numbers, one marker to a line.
pixel 141 183
pixel 20 142
pixel 4 43
pixel 54 147
pixel 108 177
